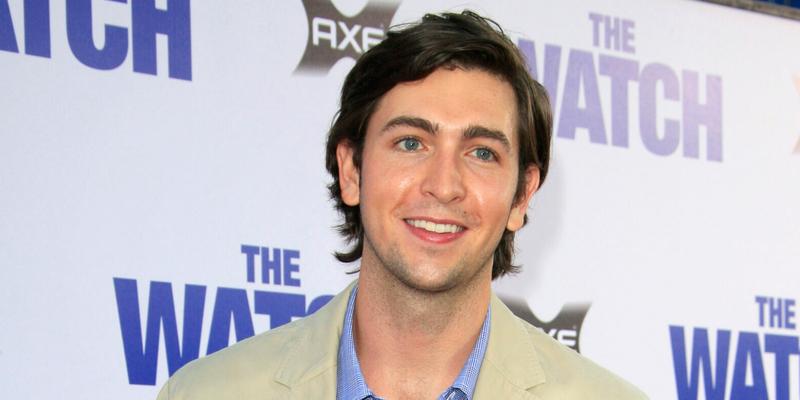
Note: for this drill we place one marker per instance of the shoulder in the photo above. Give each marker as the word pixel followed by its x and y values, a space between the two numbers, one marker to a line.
pixel 572 375
pixel 239 371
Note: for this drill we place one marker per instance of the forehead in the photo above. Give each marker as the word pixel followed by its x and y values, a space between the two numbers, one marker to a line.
pixel 454 99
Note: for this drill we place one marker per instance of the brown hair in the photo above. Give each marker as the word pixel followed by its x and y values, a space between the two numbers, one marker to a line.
pixel 412 52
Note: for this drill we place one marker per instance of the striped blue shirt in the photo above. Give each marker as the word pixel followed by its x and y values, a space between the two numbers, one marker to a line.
pixel 350 384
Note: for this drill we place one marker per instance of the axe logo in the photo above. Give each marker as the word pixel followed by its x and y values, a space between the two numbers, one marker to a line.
pixel 565 327
pixel 332 36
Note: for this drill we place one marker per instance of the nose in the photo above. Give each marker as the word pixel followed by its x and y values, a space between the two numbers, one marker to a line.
pixel 444 178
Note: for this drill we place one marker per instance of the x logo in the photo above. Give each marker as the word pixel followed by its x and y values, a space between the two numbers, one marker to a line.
pixel 349 37
pixel 570 317
pixel 339 35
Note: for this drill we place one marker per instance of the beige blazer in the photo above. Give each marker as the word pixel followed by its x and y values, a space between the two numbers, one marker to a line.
pixel 298 361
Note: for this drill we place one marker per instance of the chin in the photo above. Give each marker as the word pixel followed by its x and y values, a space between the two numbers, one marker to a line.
pixel 428 285
pixel 428 274
pixel 431 278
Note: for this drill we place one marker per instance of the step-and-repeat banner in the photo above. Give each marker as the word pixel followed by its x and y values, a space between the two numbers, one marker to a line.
pixel 163 186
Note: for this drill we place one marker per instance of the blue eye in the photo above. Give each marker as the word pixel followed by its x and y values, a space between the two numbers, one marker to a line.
pixel 409 144
pixel 484 154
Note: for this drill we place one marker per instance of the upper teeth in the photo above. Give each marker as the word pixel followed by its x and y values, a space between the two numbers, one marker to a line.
pixel 434 227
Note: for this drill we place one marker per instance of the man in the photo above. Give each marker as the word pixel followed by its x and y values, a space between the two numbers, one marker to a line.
pixel 441 141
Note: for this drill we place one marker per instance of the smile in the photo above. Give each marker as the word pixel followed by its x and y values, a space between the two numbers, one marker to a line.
pixel 434 227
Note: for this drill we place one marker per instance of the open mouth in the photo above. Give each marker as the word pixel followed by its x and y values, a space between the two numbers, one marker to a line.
pixel 434 227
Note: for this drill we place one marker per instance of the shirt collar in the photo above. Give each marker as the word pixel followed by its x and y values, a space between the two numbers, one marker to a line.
pixel 468 377
pixel 350 383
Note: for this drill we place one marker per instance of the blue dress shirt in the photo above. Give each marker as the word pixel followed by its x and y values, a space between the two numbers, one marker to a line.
pixel 350 384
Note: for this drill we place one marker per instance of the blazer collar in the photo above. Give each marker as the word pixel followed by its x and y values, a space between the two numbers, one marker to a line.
pixel 312 356
pixel 511 365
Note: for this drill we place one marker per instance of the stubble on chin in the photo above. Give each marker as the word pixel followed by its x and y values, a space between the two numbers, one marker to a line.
pixel 419 280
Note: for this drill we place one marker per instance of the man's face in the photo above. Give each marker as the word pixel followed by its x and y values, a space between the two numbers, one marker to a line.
pixel 438 177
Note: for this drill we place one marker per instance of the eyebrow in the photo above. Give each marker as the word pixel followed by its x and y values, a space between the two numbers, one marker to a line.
pixel 412 122
pixel 477 131
pixel 472 131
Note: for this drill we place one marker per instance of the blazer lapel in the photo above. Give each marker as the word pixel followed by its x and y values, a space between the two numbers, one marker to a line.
pixel 510 366
pixel 309 364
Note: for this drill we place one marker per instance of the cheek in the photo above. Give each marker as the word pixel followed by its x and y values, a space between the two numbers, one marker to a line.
pixel 494 193
pixel 383 180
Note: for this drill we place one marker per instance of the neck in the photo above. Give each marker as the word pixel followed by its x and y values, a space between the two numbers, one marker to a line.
pixel 411 342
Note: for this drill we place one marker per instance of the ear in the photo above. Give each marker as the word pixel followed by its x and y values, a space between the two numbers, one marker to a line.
pixel 517 217
pixel 349 175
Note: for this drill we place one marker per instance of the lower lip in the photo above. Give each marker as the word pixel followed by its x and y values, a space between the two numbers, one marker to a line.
pixel 433 237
